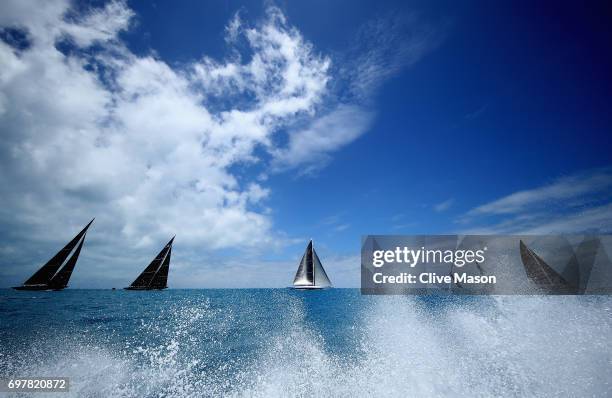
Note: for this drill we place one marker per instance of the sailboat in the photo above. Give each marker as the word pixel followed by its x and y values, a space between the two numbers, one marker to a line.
pixel 155 276
pixel 52 276
pixel 542 274
pixel 310 273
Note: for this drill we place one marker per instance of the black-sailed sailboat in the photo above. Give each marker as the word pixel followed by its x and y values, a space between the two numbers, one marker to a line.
pixel 52 275
pixel 542 274
pixel 310 273
pixel 155 276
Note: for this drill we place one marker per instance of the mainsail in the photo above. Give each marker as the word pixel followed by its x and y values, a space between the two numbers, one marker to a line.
pixel 48 277
pixel 160 280
pixel 155 276
pixel 60 280
pixel 310 273
pixel 542 274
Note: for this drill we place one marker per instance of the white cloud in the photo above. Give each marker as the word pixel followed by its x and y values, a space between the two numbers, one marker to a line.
pixel 101 24
pixel 143 151
pixel 48 21
pixel 341 227
pixel 595 219
pixel 384 47
pixel 564 189
pixel 233 28
pixel 147 147
pixel 443 206
pixel 335 222
pixel 311 146
pixel 572 204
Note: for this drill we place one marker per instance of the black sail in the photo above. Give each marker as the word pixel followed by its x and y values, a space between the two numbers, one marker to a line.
pixel 160 280
pixel 60 280
pixel 46 272
pixel 542 274
pixel 145 279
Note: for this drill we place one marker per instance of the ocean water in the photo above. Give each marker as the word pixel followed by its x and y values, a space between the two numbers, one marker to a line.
pixel 282 342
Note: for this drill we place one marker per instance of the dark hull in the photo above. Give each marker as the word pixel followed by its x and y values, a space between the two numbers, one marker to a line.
pixel 144 288
pixel 40 287
pixel 310 287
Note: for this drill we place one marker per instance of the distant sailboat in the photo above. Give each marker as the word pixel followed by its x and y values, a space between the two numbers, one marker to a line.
pixel 155 276
pixel 48 277
pixel 542 274
pixel 310 273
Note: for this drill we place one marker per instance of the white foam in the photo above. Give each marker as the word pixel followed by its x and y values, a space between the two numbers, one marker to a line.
pixel 504 346
pixel 513 346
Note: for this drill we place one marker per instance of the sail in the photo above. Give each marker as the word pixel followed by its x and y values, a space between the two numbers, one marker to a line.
pixel 60 280
pixel 320 276
pixel 160 280
pixel 539 272
pixel 46 272
pixel 305 272
pixel 310 272
pixel 587 252
pixel 146 278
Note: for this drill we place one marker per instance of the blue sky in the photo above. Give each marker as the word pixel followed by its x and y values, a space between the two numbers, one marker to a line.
pixel 248 128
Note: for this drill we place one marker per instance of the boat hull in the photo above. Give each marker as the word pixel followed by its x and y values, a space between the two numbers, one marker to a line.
pixel 144 288
pixel 310 287
pixel 36 287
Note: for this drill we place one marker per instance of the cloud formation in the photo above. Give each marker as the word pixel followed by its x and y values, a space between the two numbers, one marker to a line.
pixel 382 48
pixel 385 46
pixel 312 145
pixel 577 203
pixel 443 206
pixel 140 146
pixel 92 129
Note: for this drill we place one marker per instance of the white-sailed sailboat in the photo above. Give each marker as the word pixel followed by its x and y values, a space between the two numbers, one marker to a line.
pixel 310 273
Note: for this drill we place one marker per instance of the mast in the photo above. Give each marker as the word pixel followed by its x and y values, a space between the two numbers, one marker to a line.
pixel 304 274
pixel 160 280
pixel 60 280
pixel 312 254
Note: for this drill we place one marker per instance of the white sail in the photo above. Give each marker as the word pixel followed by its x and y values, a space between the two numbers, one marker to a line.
pixel 320 276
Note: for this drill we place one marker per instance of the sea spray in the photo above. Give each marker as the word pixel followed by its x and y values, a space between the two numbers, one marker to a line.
pixel 256 343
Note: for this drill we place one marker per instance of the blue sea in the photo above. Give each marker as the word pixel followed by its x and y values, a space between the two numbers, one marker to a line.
pixel 286 343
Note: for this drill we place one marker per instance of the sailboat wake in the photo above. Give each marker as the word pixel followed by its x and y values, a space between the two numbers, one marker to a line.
pixel 335 343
